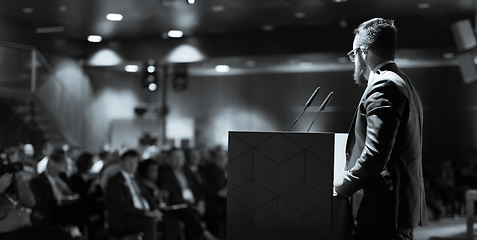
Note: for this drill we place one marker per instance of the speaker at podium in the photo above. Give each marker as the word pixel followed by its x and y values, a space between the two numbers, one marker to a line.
pixel 280 186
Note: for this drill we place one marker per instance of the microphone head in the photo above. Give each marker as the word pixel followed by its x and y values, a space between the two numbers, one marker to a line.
pixel 327 100
pixel 312 97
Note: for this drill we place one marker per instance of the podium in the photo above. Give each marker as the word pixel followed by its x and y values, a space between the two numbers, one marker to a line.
pixel 280 186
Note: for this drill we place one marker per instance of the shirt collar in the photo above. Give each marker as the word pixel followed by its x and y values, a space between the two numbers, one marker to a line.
pixel 375 69
pixel 126 174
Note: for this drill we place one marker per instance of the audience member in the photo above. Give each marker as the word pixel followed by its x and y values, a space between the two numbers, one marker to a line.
pixel 465 176
pixel 72 154
pixel 86 184
pixel 46 150
pixel 213 185
pixel 131 209
pixel 56 203
pixel 110 167
pixel 16 201
pixel 184 191
pixel 171 226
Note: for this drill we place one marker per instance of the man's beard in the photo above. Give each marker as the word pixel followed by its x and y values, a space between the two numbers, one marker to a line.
pixel 360 73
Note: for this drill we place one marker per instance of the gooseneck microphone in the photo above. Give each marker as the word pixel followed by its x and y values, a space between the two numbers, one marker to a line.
pixel 307 104
pixel 322 107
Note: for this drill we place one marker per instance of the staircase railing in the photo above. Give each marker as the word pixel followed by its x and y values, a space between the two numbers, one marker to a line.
pixel 26 76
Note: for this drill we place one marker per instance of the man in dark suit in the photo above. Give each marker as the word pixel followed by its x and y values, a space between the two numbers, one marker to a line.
pixel 384 146
pixel 131 209
pixel 56 204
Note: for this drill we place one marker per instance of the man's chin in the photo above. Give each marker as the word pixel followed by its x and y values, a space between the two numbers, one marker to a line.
pixel 360 80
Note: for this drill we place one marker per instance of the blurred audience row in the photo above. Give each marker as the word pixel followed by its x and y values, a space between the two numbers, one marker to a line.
pixel 446 180
pixel 66 193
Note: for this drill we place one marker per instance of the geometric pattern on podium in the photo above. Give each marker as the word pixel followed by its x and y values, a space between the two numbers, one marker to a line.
pixel 280 186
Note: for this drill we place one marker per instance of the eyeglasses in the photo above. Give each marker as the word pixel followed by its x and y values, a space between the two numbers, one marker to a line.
pixel 351 54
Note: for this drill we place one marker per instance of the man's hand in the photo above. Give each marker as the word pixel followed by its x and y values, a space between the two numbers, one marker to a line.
pixel 5 181
pixel 156 214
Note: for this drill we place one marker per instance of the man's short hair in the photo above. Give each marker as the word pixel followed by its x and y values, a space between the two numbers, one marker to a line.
pixel 129 153
pixel 379 35
pixel 57 156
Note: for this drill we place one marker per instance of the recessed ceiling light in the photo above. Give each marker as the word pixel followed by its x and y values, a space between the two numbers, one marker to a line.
pixel 250 63
pixel 175 33
pixel 423 5
pixel 218 8
pixel 222 68
pixel 191 1
pixel 151 69
pixel 448 55
pixel 131 68
pixel 299 14
pixel 340 1
pixel 94 38
pixel 28 10
pixel 50 29
pixel 268 27
pixel 114 17
pixel 152 87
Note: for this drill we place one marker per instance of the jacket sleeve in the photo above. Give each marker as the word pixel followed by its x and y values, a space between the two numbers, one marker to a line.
pixel 117 198
pixel 383 107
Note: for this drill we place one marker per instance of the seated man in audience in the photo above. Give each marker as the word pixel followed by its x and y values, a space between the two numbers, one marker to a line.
pixel 86 184
pixel 56 203
pixel 131 209
pixel 183 190
pixel 16 201
pixel 46 150
pixel 213 185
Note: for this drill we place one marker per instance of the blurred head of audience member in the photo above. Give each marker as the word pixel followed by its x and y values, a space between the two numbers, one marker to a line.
pixel 220 157
pixel 56 163
pixel 193 157
pixel 84 163
pixel 47 148
pixel 176 159
pixel 129 161
pixel 148 170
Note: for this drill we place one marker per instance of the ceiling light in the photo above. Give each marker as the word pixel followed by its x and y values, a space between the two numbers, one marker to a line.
pixel 175 33
pixel 423 5
pixel 222 68
pixel 114 17
pixel 131 68
pixel 28 10
pixel 50 29
pixel 340 1
pixel 63 8
pixel 250 63
pixel 448 55
pixel 185 53
pixel 191 1
pixel 94 38
pixel 268 27
pixel 152 87
pixel 299 14
pixel 218 8
pixel 151 69
pixel 104 57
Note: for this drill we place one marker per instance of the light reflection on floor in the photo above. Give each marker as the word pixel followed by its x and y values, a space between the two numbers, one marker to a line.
pixel 444 229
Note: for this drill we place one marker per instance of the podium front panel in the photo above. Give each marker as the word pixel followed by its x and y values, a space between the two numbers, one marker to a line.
pixel 280 186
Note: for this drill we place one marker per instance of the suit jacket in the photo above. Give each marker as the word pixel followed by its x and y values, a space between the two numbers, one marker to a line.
pixel 384 153
pixel 46 203
pixel 119 200
pixel 167 180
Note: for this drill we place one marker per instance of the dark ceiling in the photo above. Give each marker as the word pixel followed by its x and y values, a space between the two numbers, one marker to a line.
pixel 239 27
pixel 151 18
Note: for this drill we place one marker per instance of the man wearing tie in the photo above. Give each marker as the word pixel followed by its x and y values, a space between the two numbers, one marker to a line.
pixel 384 147
pixel 131 209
